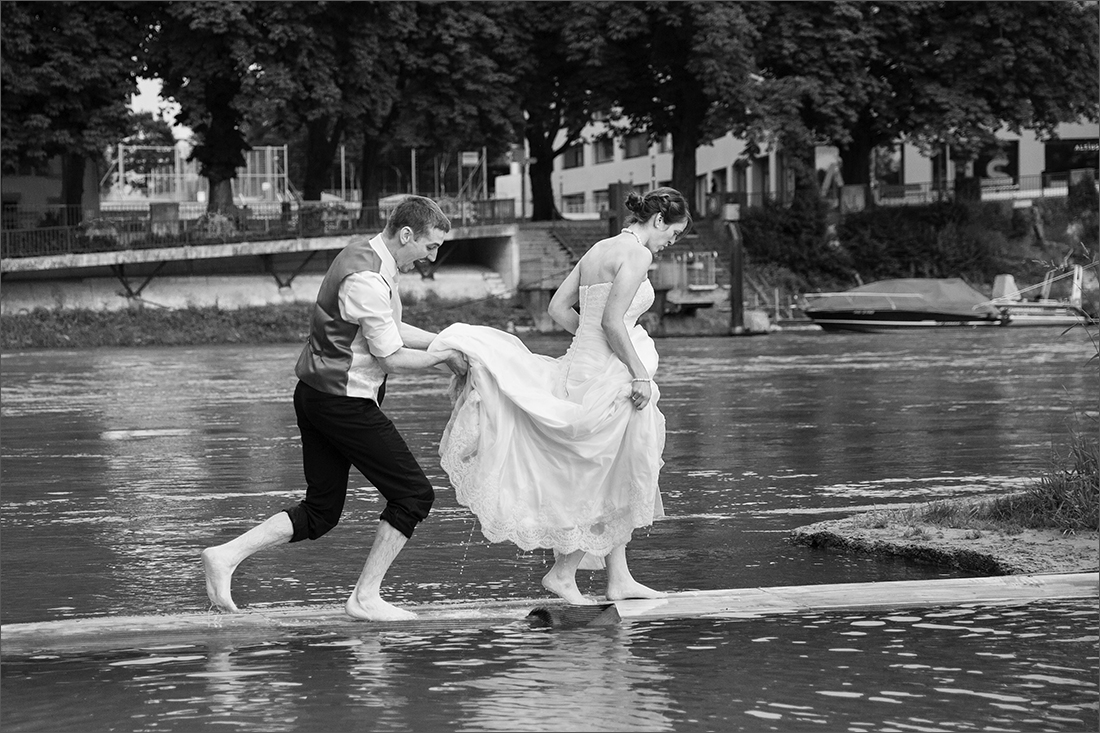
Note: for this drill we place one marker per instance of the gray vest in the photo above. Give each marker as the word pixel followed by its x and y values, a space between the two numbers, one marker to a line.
pixel 326 358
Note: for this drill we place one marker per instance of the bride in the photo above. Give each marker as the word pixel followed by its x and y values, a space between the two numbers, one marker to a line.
pixel 565 453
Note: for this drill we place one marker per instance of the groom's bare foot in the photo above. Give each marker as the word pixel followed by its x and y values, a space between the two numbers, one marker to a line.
pixel 375 609
pixel 219 577
pixel 566 588
pixel 630 590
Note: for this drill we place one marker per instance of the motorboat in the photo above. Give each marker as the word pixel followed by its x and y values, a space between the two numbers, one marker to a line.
pixel 910 303
pixel 902 303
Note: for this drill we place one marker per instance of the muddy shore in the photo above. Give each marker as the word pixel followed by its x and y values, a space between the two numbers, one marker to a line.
pixel 985 551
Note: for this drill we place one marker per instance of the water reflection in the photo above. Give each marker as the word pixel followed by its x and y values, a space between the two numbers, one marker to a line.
pixel 250 683
pixel 567 681
pixel 990 667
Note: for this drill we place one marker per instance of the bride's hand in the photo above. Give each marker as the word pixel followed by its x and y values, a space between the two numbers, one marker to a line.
pixel 641 392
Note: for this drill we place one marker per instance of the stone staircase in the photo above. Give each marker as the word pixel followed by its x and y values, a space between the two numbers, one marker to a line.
pixel 577 237
pixel 544 261
pixel 495 285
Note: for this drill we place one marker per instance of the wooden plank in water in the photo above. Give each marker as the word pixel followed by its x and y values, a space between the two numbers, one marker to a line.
pixel 856 596
pixel 126 632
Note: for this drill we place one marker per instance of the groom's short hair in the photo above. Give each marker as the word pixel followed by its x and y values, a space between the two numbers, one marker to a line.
pixel 419 214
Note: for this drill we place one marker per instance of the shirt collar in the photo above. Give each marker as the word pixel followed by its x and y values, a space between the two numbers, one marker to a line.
pixel 389 264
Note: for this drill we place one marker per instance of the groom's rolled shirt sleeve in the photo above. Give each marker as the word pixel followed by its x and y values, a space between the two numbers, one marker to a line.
pixel 365 298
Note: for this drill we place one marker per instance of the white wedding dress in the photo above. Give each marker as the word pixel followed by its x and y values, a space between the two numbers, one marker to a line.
pixel 551 452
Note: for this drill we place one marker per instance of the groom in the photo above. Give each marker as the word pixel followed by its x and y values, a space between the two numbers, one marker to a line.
pixel 356 339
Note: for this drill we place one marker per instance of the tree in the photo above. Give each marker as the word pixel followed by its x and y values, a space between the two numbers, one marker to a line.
pixel 997 64
pixel 305 78
pixel 146 128
pixel 69 69
pixel 816 83
pixel 676 68
pixel 430 79
pixel 557 83
pixel 859 75
pixel 203 52
pixel 152 146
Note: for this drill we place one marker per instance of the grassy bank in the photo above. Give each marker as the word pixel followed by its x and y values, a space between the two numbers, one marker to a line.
pixel 1065 497
pixel 285 323
pixel 1049 528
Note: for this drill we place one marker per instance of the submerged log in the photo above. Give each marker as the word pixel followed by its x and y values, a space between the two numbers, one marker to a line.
pixel 574 617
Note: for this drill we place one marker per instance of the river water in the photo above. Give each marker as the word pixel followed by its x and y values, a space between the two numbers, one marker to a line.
pixel 120 465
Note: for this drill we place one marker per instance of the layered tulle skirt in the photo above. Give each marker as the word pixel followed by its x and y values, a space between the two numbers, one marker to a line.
pixel 550 452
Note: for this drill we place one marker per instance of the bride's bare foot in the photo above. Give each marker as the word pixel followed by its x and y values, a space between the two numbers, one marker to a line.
pixel 623 591
pixel 375 609
pixel 219 576
pixel 566 588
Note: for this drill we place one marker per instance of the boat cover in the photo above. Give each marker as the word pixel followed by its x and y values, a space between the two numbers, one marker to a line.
pixel 948 295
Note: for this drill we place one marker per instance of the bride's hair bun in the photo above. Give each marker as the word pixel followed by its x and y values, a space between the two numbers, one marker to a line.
pixel 668 202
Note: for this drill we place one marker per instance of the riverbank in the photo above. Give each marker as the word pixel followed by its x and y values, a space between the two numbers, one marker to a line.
pixel 990 550
pixel 279 323
pixel 268 324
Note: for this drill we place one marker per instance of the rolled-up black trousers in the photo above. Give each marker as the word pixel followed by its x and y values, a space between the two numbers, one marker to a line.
pixel 340 432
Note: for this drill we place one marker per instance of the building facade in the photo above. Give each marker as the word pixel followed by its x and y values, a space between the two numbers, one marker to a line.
pixel 1023 167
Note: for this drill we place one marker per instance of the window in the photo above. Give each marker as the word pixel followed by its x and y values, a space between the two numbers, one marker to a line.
pixel 573 157
pixel 635 146
pixel 1062 156
pixel 9 218
pixel 718 180
pixel 600 199
pixel 604 150
pixel 573 203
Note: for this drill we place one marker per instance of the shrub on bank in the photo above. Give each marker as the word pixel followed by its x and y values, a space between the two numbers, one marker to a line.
pixel 283 323
pixel 1066 497
pixel 794 238
pixel 44 329
pixel 973 240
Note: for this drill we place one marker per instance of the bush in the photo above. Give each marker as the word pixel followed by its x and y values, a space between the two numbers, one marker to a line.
pixel 283 323
pixel 938 240
pixel 1082 204
pixel 793 237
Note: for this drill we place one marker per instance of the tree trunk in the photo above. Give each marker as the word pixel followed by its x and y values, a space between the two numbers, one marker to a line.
pixel 691 109
pixel 370 182
pixel 221 147
pixel 684 143
pixel 72 187
pixel 221 197
pixel 541 172
pixel 320 150
pixel 855 157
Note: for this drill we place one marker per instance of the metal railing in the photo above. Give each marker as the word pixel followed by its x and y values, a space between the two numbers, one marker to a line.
pixel 992 189
pixel 689 270
pixel 125 225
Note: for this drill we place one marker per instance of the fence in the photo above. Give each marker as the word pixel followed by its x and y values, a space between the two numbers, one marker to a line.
pixel 126 225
